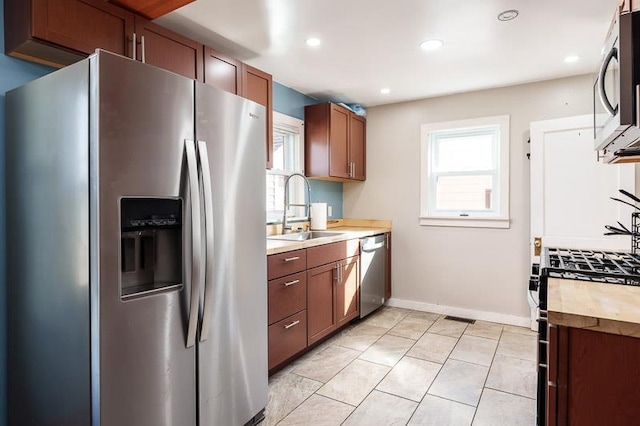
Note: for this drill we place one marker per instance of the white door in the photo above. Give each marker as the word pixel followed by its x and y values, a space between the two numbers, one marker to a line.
pixel 570 189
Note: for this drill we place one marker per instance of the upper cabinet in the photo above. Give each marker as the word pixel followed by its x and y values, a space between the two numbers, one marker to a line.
pixel 151 9
pixel 222 71
pixel 163 48
pixel 258 87
pixel 60 32
pixel 335 143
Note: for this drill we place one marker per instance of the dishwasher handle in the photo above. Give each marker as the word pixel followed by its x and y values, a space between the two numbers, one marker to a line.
pixel 370 244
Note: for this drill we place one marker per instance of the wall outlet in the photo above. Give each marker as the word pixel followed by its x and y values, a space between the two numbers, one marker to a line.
pixel 329 211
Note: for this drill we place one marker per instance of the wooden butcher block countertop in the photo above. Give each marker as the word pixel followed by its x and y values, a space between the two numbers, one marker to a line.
pixel 608 308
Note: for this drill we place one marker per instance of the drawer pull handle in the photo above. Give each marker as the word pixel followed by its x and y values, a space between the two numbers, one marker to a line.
pixel 288 326
pixel 552 384
pixel 291 259
pixel 291 283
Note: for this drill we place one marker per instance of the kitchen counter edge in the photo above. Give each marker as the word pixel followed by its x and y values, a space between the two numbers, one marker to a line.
pixel 607 308
pixel 347 233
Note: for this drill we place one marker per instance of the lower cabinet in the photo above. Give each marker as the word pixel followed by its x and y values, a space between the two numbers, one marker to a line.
pixel 348 291
pixel 287 338
pixel 333 297
pixel 307 305
pixel 592 378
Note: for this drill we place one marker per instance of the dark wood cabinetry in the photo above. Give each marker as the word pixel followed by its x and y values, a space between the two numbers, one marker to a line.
pixel 287 304
pixel 222 71
pixel 151 9
pixel 333 287
pixel 321 282
pixel 592 378
pixel 320 301
pixel 357 138
pixel 335 143
pixel 163 48
pixel 258 86
pixel 60 32
pixel 348 291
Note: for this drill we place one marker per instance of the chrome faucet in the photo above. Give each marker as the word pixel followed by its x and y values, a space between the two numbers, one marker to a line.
pixel 307 207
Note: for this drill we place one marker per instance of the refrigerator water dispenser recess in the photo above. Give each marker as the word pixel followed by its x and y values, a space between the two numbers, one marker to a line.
pixel 150 246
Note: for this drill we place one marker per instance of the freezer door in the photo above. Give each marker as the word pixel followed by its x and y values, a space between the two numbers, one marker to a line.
pixel 232 351
pixel 144 121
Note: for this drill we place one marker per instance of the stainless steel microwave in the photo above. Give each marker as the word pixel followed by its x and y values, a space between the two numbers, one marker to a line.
pixel 615 100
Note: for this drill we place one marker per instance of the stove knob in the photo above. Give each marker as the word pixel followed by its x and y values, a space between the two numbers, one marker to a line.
pixel 534 283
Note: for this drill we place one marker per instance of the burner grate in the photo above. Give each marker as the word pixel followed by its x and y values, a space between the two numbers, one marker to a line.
pixel 591 265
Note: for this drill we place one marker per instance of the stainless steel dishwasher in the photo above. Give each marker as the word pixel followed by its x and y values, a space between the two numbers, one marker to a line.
pixel 373 272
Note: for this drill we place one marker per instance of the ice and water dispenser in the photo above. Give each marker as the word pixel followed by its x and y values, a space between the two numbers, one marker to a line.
pixel 151 246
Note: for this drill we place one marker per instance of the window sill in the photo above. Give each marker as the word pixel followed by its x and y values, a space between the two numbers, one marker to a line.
pixel 467 222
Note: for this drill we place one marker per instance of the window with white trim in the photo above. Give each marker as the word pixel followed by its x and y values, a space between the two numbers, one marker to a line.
pixel 465 173
pixel 288 158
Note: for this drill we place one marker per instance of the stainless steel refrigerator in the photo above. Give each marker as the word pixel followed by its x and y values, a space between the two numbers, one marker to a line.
pixel 136 249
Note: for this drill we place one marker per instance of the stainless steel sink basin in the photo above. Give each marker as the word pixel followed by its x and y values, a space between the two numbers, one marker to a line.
pixel 303 236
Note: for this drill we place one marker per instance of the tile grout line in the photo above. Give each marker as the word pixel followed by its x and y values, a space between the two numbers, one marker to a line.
pixel 484 385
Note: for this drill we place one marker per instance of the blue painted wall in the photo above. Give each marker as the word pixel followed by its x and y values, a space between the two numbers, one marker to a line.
pixel 291 102
pixel 13 73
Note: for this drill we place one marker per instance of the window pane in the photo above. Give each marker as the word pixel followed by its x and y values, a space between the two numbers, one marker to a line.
pixel 286 154
pixel 464 153
pixel 466 193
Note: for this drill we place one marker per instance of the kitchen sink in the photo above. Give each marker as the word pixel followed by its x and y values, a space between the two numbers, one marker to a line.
pixel 304 236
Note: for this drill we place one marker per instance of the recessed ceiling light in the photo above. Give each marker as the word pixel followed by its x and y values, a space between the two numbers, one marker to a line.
pixel 571 59
pixel 385 91
pixel 508 15
pixel 313 42
pixel 431 44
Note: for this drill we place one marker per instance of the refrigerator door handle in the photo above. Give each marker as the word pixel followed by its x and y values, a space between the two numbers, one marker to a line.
pixel 196 229
pixel 209 234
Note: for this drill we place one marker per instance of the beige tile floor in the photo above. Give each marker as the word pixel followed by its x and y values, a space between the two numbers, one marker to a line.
pixel 402 367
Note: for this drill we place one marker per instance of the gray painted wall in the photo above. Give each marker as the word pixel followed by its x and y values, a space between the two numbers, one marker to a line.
pixel 466 268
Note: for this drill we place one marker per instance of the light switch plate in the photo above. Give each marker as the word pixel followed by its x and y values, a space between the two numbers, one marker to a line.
pixel 329 211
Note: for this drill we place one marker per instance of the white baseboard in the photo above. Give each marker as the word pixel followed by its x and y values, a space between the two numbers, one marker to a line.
pixel 459 312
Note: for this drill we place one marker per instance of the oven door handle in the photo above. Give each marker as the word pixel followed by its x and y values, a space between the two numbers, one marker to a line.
pixel 613 53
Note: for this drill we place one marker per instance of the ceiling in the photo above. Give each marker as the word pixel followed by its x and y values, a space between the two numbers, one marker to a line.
pixel 368 45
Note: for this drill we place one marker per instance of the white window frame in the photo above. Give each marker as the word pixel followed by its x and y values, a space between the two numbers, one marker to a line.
pixel 296 187
pixel 499 218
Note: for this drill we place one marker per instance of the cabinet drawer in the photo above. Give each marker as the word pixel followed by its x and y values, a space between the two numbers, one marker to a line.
pixel 321 255
pixel 279 265
pixel 287 296
pixel 287 338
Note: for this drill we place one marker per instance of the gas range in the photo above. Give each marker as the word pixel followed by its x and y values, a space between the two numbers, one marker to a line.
pixel 597 266
pixel 592 265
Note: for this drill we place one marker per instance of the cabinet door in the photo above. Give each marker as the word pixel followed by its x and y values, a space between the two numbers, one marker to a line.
pixel 257 86
pixel 165 49
pixel 222 71
pixel 357 138
pixel 77 25
pixel 348 291
pixel 287 338
pixel 338 142
pixel 387 278
pixel 321 319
